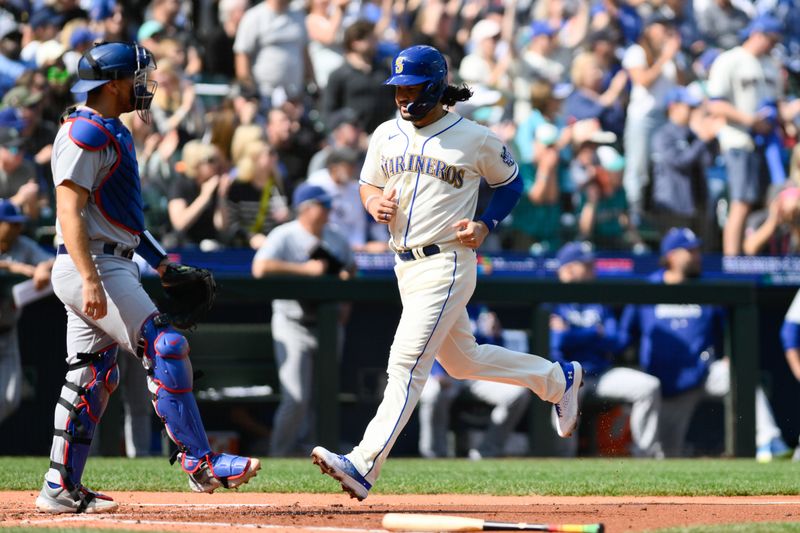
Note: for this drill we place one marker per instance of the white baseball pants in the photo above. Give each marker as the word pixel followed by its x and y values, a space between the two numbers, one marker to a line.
pixel 434 291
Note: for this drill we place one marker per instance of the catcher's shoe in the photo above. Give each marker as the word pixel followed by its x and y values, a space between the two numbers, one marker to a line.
pixel 55 499
pixel 216 470
pixel 342 470
pixel 567 407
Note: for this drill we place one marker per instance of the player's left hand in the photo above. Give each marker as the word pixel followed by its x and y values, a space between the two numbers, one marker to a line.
pixel 470 233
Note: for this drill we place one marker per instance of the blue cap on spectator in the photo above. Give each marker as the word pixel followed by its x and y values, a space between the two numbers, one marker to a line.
pixel 102 9
pixel 81 36
pixel 679 238
pixel 577 251
pixel 10 212
pixel 763 24
pixel 10 117
pixel 311 193
pixel 46 16
pixel 540 27
pixel 10 138
pixel 681 95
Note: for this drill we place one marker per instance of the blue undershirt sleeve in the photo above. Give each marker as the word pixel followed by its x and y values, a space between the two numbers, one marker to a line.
pixel 503 201
pixel 150 249
pixel 790 335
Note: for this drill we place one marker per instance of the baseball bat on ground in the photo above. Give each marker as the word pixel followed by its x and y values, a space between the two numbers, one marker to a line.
pixel 434 522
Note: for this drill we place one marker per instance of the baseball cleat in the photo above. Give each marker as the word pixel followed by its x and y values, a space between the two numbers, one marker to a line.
pixel 567 406
pixel 218 470
pixel 342 470
pixel 774 449
pixel 55 499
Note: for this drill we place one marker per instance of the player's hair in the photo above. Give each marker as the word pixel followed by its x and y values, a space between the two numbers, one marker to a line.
pixel 453 94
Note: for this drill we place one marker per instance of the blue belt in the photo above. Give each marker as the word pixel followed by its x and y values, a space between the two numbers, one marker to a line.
pixel 425 251
pixel 109 248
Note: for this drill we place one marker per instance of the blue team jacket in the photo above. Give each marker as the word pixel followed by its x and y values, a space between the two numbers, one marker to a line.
pixel 678 342
pixel 591 338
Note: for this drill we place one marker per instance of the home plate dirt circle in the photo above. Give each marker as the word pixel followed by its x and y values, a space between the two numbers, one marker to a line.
pixel 234 512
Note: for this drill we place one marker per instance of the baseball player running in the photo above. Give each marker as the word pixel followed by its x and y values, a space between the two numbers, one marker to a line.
pixel 421 177
pixel 99 226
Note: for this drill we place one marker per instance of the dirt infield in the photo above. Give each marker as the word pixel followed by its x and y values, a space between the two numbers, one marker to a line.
pixel 169 511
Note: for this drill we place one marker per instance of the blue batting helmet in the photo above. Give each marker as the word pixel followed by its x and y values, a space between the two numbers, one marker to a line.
pixel 114 61
pixel 417 65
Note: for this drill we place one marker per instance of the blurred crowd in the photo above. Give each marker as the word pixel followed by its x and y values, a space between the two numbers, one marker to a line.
pixel 628 117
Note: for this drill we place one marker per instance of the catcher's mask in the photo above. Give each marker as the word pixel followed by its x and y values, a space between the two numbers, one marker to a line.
pixel 417 65
pixel 115 61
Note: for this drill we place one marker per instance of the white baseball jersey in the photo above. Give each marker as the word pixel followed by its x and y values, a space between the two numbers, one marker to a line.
pixel 436 171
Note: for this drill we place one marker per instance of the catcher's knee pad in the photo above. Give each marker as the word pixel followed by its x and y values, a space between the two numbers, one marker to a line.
pixel 170 381
pixel 84 396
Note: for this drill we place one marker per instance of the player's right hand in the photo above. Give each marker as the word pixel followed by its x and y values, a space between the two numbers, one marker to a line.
pixel 95 305
pixel 384 208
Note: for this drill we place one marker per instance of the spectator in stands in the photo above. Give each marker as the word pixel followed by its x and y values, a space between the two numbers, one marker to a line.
pixel 651 64
pixel 324 27
pixel 11 67
pixel 682 345
pixel 721 22
pixel 294 149
pixel 271 50
pixel 44 23
pixel 358 83
pixel 588 333
pixel 339 178
pixel 175 105
pixel 18 255
pixel 617 16
pixel 588 102
pixel 307 246
pixel 540 141
pixel 509 402
pixel 597 174
pixel 487 65
pixel 570 20
pixel 345 132
pixel 746 88
pixel 17 175
pixel 196 199
pixel 218 57
pixel 172 24
pixel 535 64
pixel 38 133
pixel 109 21
pixel 681 151
pixel 256 201
pixel 775 230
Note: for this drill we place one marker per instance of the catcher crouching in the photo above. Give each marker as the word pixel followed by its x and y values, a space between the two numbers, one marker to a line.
pixel 100 224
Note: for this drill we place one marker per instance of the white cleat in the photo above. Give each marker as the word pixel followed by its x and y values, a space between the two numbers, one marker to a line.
pixel 567 407
pixel 55 499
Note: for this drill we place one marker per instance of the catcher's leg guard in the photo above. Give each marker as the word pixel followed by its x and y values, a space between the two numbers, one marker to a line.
pixel 166 357
pixel 89 383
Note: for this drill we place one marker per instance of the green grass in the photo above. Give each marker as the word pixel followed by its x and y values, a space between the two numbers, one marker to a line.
pixel 753 527
pixel 554 477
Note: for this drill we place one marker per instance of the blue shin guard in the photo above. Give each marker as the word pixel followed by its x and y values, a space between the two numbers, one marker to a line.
pixel 89 383
pixel 170 381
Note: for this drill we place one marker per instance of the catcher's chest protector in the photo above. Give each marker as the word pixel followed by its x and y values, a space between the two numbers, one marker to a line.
pixel 119 195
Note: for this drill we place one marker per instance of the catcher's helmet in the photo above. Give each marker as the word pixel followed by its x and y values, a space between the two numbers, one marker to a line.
pixel 114 61
pixel 416 65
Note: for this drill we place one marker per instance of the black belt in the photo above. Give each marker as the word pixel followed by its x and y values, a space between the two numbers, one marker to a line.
pixel 108 248
pixel 425 251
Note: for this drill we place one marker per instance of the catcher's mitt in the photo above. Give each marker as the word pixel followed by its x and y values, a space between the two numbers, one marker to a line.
pixel 190 294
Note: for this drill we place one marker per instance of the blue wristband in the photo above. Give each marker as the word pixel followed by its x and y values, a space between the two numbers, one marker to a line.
pixel 150 249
